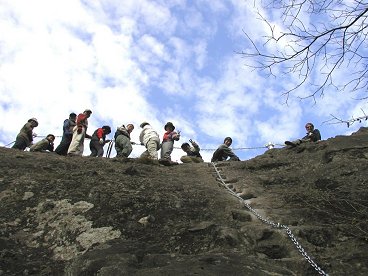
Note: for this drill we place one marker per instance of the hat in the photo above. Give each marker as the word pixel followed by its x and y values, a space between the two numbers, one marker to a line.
pixel 87 110
pixel 143 124
pixel 169 124
pixel 34 120
pixel 228 138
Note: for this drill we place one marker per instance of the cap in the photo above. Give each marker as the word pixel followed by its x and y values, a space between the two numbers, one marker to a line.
pixel 228 138
pixel 72 114
pixel 87 110
pixel 169 124
pixel 33 120
pixel 143 124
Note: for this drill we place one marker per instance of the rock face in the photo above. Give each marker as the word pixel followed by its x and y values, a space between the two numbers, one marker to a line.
pixel 96 216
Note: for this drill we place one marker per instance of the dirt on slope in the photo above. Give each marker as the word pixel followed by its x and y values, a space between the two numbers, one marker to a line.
pixel 96 216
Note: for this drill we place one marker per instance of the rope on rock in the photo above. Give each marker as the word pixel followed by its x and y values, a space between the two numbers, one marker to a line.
pixel 269 222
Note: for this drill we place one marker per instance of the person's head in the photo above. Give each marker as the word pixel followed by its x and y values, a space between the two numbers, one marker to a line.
pixel 129 127
pixel 72 116
pixel 87 112
pixel 309 127
pixel 142 125
pixel 50 137
pixel 33 122
pixel 169 126
pixel 185 147
pixel 228 141
pixel 106 129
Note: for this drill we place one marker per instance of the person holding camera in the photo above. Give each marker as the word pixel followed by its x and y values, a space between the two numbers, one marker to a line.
pixel 193 155
pixel 313 135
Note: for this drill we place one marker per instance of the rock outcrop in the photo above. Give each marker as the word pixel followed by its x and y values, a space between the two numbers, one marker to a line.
pixel 96 216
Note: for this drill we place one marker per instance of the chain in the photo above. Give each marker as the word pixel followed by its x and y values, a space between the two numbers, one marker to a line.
pixel 273 224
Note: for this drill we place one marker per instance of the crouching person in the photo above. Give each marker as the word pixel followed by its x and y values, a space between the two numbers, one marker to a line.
pixel 224 151
pixel 25 137
pixel 193 155
pixel 98 140
pixel 45 144
pixel 123 146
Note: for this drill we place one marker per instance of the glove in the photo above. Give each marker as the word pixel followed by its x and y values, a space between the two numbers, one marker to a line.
pixel 101 141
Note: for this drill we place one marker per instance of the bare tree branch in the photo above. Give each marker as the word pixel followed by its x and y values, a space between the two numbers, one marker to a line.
pixel 334 40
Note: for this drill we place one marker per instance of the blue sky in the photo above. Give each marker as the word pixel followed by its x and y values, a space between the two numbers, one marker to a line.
pixel 155 61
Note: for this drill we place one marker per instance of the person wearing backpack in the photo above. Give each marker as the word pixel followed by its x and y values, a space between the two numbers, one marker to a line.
pixel 123 146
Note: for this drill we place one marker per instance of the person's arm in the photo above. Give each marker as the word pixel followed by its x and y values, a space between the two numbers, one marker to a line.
pixel 229 152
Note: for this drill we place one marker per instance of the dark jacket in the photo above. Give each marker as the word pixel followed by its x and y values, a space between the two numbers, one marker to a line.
pixel 313 136
pixel 222 153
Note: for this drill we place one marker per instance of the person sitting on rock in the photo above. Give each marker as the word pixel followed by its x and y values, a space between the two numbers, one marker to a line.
pixel 98 140
pixel 123 146
pixel 45 144
pixel 25 136
pixel 193 155
pixel 224 151
pixel 168 140
pixel 313 135
pixel 151 140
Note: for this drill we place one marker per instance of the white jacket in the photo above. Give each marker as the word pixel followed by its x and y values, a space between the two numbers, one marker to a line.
pixel 148 133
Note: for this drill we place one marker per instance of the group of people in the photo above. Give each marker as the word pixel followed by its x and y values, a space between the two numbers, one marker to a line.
pixel 75 132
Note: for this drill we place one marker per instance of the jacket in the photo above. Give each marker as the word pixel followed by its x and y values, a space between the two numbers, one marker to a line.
pixel 121 131
pixel 194 151
pixel 147 133
pixel 313 136
pixel 42 145
pixel 68 127
pixel 26 133
pixel 98 134
pixel 170 136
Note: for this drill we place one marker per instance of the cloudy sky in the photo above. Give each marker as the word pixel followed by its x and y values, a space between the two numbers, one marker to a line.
pixel 150 60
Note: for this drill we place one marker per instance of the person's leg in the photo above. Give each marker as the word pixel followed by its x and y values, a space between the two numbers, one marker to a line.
pixel 20 143
pixel 152 147
pixel 166 150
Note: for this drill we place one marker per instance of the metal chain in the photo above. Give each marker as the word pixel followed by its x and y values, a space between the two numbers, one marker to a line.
pixel 273 224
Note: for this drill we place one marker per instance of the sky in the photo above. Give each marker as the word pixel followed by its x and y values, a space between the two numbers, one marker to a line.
pixel 157 61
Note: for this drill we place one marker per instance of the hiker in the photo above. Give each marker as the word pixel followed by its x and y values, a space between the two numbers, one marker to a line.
pixel 151 140
pixel 44 144
pixel 168 140
pixel 123 146
pixel 76 146
pixel 69 124
pixel 313 135
pixel 98 140
pixel 224 151
pixel 25 136
pixel 193 155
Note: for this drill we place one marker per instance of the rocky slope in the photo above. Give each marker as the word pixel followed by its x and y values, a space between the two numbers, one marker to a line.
pixel 90 216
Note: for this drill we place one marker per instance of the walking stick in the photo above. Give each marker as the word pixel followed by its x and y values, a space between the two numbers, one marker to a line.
pixel 109 148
